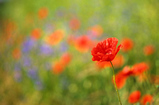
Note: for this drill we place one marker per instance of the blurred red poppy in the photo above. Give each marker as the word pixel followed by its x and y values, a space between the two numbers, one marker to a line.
pixel 155 79
pixel 147 99
pixel 142 77
pixel 58 67
pixel 127 71
pixel 127 44
pixel 16 53
pixel 82 44
pixel 65 59
pixel 96 30
pixel 134 97
pixel 102 65
pixel 122 76
pixel 55 37
pixel 74 24
pixel 36 33
pixel 42 13
pixel 120 80
pixel 118 61
pixel 149 49
pixel 9 28
pixel 139 68
pixel 105 50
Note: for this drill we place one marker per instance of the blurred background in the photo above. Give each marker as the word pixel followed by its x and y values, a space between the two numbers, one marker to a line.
pixel 45 51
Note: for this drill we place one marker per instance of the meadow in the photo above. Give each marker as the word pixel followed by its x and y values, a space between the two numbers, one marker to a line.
pixel 46 52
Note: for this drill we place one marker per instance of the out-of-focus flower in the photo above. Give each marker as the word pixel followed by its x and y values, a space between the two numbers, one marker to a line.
pixel 46 49
pixel 142 77
pixel 105 50
pixel 139 68
pixel 82 44
pixel 26 61
pixel 74 24
pixel 102 65
pixel 9 28
pixel 55 37
pixel 96 30
pixel 33 74
pixel 122 76
pixel 65 59
pixel 16 53
pixel 120 80
pixel 58 67
pixel 155 79
pixel 134 97
pixel 127 71
pixel 127 44
pixel 43 13
pixel 38 85
pixel 147 99
pixel 149 49
pixel 118 61
pixel 36 33
pixel 28 45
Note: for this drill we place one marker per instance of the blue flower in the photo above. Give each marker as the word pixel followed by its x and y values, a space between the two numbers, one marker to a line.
pixel 46 49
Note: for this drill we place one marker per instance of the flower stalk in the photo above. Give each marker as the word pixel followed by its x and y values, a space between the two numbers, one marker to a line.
pixel 115 84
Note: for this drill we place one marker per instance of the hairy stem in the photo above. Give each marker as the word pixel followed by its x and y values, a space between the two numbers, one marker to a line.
pixel 115 84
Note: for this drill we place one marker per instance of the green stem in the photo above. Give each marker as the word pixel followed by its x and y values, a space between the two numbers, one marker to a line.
pixel 115 84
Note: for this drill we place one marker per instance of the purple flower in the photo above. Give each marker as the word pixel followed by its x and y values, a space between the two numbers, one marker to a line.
pixel 28 45
pixel 26 61
pixel 32 73
pixel 39 85
pixel 46 49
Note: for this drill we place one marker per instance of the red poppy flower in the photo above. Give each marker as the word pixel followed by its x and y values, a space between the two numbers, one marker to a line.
pixel 122 76
pixel 118 61
pixel 140 68
pixel 9 28
pixel 58 67
pixel 55 37
pixel 134 97
pixel 149 49
pixel 102 65
pixel 120 80
pixel 127 71
pixel 16 53
pixel 105 50
pixel 147 99
pixel 65 59
pixel 82 44
pixel 127 44
pixel 96 30
pixel 43 12
pixel 36 33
